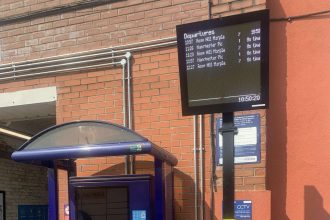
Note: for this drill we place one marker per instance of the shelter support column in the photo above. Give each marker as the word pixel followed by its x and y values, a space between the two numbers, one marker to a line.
pixel 52 194
pixel 159 192
pixel 72 202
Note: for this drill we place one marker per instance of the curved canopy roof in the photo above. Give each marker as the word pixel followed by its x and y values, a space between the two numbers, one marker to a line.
pixel 87 139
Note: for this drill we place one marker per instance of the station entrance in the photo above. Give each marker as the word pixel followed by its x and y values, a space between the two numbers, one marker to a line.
pixel 102 197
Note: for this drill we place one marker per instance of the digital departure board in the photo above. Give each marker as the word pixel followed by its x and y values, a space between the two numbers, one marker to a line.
pixel 224 64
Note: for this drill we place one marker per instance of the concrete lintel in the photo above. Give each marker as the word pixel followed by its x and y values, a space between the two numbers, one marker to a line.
pixel 26 97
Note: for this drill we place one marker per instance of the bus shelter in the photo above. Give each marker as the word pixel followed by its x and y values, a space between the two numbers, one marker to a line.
pixel 147 197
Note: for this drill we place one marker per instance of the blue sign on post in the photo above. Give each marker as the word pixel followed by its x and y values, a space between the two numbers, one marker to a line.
pixel 247 141
pixel 243 210
pixel 139 215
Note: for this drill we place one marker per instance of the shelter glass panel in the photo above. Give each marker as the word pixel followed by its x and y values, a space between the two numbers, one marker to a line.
pixel 86 133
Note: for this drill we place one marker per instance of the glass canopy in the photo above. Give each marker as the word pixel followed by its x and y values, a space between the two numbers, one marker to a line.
pixel 82 134
pixel 87 139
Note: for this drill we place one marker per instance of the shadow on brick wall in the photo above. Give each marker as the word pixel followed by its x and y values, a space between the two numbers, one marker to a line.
pixel 183 188
pixel 184 204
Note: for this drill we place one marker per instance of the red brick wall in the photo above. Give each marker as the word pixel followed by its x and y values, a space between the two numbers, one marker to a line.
pixel 156 98
pixel 157 116
pixel 103 26
pixel 250 176
pixel 14 7
pixel 118 23
pixel 23 184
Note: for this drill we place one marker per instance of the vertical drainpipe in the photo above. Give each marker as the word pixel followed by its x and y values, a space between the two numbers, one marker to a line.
pixel 201 155
pixel 201 147
pixel 128 56
pixel 201 166
pixel 129 92
pixel 123 63
pixel 195 168
pixel 213 167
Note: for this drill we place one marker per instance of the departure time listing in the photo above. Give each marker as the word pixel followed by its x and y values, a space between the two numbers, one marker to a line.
pixel 217 48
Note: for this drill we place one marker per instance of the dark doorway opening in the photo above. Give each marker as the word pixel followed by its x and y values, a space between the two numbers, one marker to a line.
pixel 103 203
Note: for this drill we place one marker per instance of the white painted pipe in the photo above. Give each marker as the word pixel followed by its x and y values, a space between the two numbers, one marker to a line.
pixel 128 56
pixel 90 53
pixel 59 65
pixel 123 64
pixel 201 167
pixel 59 71
pixel 195 169
pixel 37 62
pixel 129 89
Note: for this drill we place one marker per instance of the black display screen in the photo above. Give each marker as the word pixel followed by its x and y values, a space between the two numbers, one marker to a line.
pixel 224 64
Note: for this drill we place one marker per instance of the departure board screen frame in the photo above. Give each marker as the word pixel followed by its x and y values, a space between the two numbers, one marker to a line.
pixel 242 101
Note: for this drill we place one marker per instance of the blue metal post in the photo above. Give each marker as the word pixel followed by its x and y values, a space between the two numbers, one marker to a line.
pixel 159 190
pixel 72 202
pixel 52 194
